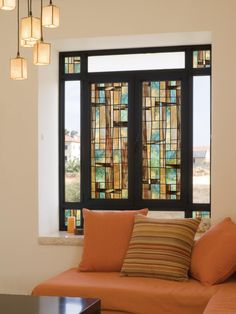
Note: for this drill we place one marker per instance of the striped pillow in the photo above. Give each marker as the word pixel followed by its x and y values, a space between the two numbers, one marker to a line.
pixel 160 248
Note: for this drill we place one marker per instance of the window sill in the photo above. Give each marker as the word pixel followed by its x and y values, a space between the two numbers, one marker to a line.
pixel 61 238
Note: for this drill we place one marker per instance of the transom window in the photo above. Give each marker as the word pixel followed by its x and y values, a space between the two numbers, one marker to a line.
pixel 135 130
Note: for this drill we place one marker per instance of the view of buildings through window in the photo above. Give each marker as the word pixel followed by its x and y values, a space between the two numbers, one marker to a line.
pixel 72 141
pixel 160 149
pixel 201 139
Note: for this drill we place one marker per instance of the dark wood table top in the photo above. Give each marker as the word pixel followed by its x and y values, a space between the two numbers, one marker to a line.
pixel 22 304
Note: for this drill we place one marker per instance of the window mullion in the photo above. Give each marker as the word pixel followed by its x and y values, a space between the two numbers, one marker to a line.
pixel 85 140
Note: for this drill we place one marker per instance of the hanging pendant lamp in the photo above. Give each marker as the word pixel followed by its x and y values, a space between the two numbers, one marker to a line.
pixel 18 65
pixel 30 34
pixel 51 15
pixel 7 5
pixel 42 50
pixel 27 43
pixel 30 27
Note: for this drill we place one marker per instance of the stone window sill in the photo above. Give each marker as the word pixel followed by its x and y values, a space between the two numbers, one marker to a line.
pixel 66 239
pixel 61 238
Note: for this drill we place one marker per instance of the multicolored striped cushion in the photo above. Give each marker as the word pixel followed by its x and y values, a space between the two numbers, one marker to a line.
pixel 160 248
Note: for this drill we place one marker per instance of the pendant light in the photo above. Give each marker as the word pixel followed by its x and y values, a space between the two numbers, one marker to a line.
pixel 27 43
pixel 51 15
pixel 30 27
pixel 7 4
pixel 30 34
pixel 18 65
pixel 42 50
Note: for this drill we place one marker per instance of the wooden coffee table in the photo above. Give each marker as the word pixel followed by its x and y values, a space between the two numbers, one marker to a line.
pixel 13 304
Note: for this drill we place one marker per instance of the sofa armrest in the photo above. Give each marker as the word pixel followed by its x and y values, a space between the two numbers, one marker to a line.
pixel 223 302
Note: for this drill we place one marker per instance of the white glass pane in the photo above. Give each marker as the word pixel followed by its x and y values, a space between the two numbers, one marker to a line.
pixel 72 141
pixel 132 62
pixel 201 139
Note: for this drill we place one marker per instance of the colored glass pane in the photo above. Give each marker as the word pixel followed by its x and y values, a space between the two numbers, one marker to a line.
pixel 109 141
pixel 161 139
pixel 72 65
pixel 73 212
pixel 201 214
pixel 201 59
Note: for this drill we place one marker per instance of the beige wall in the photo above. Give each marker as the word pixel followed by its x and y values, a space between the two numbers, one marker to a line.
pixel 22 261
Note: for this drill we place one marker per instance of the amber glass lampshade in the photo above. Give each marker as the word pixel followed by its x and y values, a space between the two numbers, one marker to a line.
pixel 51 16
pixel 30 28
pixel 7 4
pixel 18 68
pixel 42 53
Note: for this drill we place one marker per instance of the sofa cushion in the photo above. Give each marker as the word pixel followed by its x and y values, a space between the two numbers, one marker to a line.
pixel 106 238
pixel 214 254
pixel 134 295
pixel 160 248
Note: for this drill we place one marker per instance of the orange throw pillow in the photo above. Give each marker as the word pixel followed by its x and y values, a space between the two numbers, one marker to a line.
pixel 106 238
pixel 213 257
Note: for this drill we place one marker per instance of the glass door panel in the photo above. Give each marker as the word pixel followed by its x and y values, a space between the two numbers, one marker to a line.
pixel 109 140
pixel 161 140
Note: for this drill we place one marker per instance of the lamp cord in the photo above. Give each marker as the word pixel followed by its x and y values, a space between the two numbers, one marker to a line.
pixel 41 20
pixel 18 28
pixel 28 4
pixel 30 1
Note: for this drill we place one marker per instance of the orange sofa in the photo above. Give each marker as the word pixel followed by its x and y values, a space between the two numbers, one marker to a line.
pixel 224 301
pixel 138 295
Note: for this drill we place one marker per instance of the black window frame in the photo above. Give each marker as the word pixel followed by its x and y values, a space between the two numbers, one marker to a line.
pixel 134 78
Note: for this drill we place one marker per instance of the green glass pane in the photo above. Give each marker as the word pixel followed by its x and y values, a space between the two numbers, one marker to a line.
pixel 155 189
pixel 99 156
pixel 155 156
pixel 72 65
pixel 102 195
pixel 170 176
pixel 100 174
pixel 124 96
pixel 155 173
pixel 124 115
pixel 155 136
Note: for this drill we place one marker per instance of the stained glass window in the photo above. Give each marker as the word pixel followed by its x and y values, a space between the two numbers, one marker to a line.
pixel 161 139
pixel 73 212
pixel 72 65
pixel 109 141
pixel 201 59
pixel 133 132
